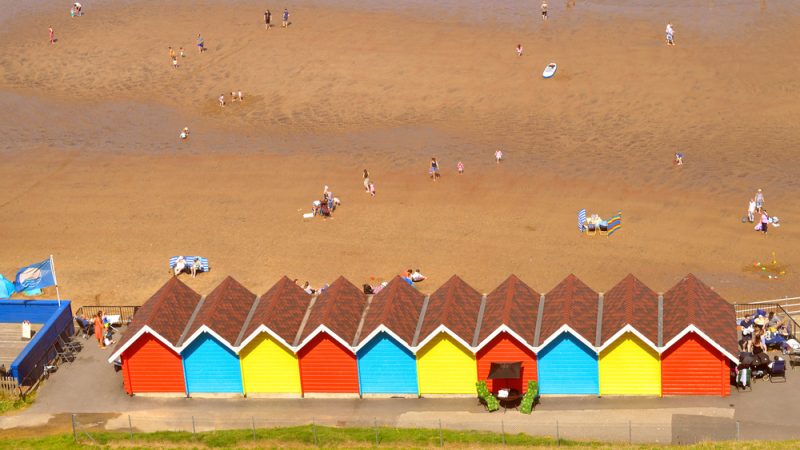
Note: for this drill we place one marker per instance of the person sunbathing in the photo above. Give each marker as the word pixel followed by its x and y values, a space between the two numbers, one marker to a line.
pixel 180 265
pixel 197 266
pixel 417 277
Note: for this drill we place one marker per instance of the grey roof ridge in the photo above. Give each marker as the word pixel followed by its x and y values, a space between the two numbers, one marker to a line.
pixel 305 320
pixel 538 330
pixel 247 321
pixel 361 322
pixel 477 333
pixel 191 321
pixel 421 320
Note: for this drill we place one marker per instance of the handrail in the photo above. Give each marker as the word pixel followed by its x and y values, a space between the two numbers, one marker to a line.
pixel 746 309
pixel 125 313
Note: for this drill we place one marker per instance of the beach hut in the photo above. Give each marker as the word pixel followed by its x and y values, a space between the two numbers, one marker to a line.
pixel 386 363
pixel 210 363
pixel 327 361
pixel 567 326
pixel 699 340
pixel 506 333
pixel 269 364
pixel 148 351
pixel 445 361
pixel 628 346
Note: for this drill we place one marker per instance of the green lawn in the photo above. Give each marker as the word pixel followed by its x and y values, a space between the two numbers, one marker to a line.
pixel 13 404
pixel 328 437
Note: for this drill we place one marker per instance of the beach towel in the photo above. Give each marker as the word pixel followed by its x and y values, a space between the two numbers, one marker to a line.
pixel 189 261
pixel 615 223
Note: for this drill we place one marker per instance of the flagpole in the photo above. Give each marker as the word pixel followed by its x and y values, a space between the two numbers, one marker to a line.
pixel 53 268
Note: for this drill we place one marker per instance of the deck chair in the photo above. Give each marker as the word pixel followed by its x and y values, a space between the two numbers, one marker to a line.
pixel 63 354
pixel 74 347
pixel 744 379
pixel 84 330
pixel 777 371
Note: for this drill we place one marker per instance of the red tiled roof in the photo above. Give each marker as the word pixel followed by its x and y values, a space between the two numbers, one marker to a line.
pixel 513 304
pixel 455 305
pixel 691 302
pixel 167 312
pixel 281 309
pixel 570 303
pixel 630 302
pixel 224 310
pixel 397 306
pixel 339 308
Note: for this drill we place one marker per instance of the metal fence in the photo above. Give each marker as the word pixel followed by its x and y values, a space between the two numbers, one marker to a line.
pixel 747 309
pixel 497 430
pixel 125 313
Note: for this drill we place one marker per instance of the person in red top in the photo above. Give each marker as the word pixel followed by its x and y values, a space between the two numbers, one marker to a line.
pixel 98 329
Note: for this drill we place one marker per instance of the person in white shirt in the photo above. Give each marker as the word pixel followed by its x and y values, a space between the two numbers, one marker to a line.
pixel 498 156
pixel 519 49
pixel 180 265
pixel 670 34
pixel 416 276
pixel 751 211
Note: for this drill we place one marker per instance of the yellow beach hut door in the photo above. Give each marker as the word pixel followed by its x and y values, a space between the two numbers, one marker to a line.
pixel 629 367
pixel 445 367
pixel 269 368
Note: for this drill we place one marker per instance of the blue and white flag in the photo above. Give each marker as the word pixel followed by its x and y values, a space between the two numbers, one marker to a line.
pixel 35 276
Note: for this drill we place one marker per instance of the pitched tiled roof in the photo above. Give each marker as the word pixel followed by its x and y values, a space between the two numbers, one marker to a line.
pixel 455 305
pixel 224 310
pixel 281 309
pixel 339 308
pixel 570 303
pixel 397 306
pixel 167 312
pixel 513 304
pixel 691 302
pixel 630 302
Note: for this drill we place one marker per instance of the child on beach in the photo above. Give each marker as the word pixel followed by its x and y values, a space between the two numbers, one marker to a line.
pixel 268 19
pixel 519 49
pixel 366 180
pixel 372 189
pixel 222 100
pixel 759 200
pixel 183 55
pixel 751 211
pixel 498 156
pixel 52 35
pixel 184 133
pixel 201 44
pixel 460 167
pixel 174 62
pixel 678 159
pixel 544 10
pixel 670 34
pixel 285 18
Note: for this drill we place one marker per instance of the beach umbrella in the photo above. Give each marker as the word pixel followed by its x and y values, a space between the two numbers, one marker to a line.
pixel 505 370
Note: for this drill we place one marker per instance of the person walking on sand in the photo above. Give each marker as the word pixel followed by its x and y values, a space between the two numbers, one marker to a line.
pixel 544 9
pixel 98 329
pixel 372 189
pixel 751 211
pixel 759 200
pixel 366 180
pixel 764 222
pixel 222 100
pixel 201 44
pixel 183 55
pixel 460 167
pixel 434 169
pixel 519 49
pixel 285 22
pixel 498 156
pixel 52 35
pixel 267 19
pixel 670 34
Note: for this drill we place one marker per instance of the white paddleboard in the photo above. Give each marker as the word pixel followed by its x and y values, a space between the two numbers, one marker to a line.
pixel 550 70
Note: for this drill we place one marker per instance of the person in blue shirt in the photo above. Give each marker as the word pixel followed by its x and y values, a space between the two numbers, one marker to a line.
pixel 285 18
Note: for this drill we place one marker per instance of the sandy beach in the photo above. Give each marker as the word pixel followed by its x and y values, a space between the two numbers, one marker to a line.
pixel 95 174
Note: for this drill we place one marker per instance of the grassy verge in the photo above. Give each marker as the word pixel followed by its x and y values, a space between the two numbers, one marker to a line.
pixel 8 404
pixel 327 437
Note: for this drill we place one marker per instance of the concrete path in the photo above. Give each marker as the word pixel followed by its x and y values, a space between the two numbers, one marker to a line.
pixel 90 388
